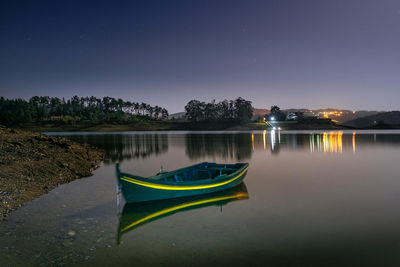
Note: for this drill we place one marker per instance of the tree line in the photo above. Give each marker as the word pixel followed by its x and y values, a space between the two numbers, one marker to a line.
pixel 239 110
pixel 93 109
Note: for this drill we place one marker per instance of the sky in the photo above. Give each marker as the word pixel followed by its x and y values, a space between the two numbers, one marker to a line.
pixel 294 54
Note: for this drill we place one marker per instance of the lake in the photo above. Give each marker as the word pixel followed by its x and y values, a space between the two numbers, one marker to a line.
pixel 309 199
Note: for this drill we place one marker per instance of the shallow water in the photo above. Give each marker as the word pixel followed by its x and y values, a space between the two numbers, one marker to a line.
pixel 314 199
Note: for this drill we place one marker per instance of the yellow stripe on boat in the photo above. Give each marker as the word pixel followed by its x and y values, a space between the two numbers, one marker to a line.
pixel 162 212
pixel 180 187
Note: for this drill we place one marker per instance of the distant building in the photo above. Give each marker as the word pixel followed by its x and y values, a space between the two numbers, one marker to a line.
pixel 292 116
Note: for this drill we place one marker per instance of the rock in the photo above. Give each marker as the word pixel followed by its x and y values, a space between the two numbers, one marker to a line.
pixel 71 233
pixel 67 243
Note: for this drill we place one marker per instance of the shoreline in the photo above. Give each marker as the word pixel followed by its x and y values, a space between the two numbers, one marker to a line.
pixel 32 164
pixel 184 126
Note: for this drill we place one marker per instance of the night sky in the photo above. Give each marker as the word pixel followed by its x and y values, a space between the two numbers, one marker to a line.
pixel 313 54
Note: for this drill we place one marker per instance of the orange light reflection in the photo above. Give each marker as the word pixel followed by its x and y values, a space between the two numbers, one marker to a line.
pixel 332 142
pixel 252 140
pixel 264 139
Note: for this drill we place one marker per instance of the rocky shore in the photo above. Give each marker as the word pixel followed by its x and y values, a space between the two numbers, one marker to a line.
pixel 31 164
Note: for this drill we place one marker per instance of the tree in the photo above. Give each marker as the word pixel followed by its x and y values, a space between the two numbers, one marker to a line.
pixel 164 114
pixel 157 112
pixel 239 110
pixel 243 110
pixel 225 110
pixel 137 108
pixel 194 110
pixel 210 111
pixel 276 114
pixel 143 108
pixel 275 109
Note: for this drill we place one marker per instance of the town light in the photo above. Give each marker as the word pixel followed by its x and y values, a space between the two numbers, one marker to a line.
pixel 272 118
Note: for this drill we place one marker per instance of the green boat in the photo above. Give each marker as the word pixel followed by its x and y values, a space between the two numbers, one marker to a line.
pixel 199 179
pixel 136 214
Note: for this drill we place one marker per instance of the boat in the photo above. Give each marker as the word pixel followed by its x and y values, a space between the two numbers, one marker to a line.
pixel 199 179
pixel 137 214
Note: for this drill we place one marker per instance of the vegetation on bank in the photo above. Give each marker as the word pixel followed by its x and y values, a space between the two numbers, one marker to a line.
pixel 43 113
pixel 32 164
pixel 77 110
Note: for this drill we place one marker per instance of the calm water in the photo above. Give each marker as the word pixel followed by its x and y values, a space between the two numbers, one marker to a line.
pixel 314 199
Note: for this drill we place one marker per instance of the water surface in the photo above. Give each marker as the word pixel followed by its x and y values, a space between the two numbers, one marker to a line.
pixel 313 198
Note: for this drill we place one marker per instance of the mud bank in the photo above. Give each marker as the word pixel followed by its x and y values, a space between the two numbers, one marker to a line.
pixel 31 164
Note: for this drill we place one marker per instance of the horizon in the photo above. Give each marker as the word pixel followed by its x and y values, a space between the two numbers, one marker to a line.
pixel 317 54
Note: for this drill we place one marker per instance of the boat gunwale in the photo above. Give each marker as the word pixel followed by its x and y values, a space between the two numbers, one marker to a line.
pixel 208 181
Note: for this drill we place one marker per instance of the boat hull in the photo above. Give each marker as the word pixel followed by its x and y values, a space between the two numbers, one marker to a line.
pixel 138 189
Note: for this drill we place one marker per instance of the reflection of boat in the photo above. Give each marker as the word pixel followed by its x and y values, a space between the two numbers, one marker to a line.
pixel 203 178
pixel 137 214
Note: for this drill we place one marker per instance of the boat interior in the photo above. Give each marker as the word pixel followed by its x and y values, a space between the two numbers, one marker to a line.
pixel 202 171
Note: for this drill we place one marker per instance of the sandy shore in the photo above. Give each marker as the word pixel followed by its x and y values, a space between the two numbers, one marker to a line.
pixel 31 164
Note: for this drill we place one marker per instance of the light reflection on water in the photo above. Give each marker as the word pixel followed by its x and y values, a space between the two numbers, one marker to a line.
pixel 238 146
pixel 315 198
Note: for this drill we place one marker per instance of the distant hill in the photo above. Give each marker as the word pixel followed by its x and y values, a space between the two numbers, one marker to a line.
pixel 342 115
pixel 339 115
pixel 290 110
pixel 381 119
pixel 179 116
pixel 260 111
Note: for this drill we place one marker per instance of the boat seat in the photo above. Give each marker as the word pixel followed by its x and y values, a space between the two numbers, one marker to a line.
pixel 221 168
